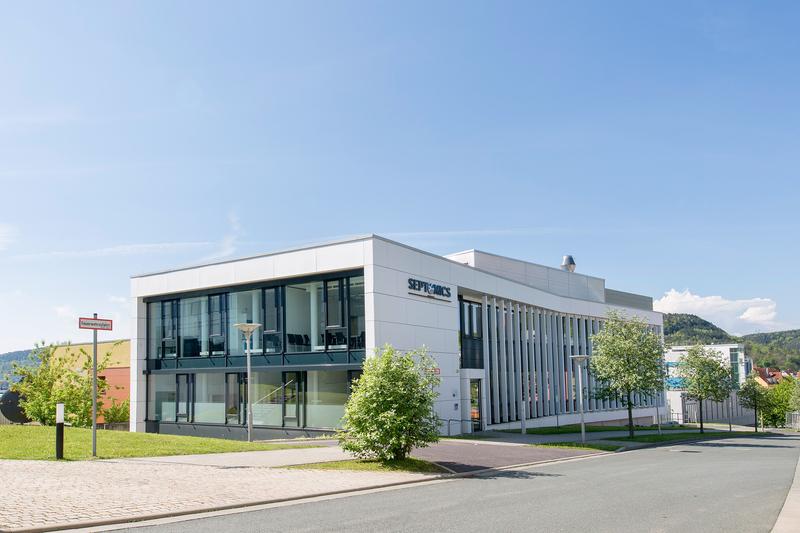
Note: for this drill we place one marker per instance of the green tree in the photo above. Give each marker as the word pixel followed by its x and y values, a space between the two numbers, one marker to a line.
pixel 753 396
pixel 390 410
pixel 794 404
pixel 780 399
pixel 704 376
pixel 627 359
pixel 46 379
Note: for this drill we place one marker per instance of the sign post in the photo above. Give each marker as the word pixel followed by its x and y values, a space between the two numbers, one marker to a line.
pixel 94 324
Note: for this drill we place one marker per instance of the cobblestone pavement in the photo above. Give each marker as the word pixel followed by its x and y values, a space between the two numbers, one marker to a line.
pixel 45 493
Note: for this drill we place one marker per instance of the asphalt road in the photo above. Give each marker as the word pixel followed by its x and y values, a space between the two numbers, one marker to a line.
pixel 723 485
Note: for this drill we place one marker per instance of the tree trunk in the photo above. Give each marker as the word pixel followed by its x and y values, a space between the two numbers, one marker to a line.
pixel 630 415
pixel 755 422
pixel 700 402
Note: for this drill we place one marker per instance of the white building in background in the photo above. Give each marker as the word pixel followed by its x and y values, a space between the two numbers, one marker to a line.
pixel 501 331
pixel 732 356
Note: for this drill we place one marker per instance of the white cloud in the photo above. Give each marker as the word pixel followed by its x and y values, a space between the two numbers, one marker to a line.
pixel 737 317
pixel 7 235
pixel 230 242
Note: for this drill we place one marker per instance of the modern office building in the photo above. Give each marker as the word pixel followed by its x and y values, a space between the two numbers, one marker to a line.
pixel 501 332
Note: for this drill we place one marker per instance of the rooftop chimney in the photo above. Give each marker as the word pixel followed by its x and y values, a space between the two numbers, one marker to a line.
pixel 568 264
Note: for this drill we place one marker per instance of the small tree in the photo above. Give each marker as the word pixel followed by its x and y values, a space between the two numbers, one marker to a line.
pixel 627 359
pixel 390 410
pixel 704 376
pixel 47 379
pixel 753 396
pixel 780 399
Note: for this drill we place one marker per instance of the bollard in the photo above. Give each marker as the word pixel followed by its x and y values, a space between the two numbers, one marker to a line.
pixel 59 431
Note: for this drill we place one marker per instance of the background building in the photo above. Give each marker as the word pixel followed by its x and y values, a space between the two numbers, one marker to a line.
pixel 684 410
pixel 116 374
pixel 500 330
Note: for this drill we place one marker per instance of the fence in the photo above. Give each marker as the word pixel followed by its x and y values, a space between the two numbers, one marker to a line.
pixel 4 420
pixel 728 410
pixel 793 420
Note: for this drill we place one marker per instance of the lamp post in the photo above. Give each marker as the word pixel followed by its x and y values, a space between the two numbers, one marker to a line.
pixel 247 329
pixel 580 359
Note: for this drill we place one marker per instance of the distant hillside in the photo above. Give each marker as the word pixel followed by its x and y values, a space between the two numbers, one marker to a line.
pixel 9 357
pixel 780 349
pixel 681 328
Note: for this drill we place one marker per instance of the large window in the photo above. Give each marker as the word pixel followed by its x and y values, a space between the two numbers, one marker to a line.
pixel 335 325
pixel 305 317
pixel 273 320
pixel 325 398
pixel 194 326
pixel 356 314
pixel 163 329
pixel 267 396
pixel 244 308
pixel 209 397
pixel 161 397
pixel 217 321
pixel 471 335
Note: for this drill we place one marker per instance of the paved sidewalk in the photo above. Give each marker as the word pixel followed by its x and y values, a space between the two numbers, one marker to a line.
pixel 270 459
pixel 789 518
pixel 43 494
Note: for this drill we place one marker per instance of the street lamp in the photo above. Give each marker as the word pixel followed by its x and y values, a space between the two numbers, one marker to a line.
pixel 580 359
pixel 248 330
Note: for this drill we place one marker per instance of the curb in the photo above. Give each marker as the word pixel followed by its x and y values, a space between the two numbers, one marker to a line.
pixel 244 505
pixel 790 510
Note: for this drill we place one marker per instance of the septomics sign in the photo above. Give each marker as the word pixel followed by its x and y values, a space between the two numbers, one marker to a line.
pixel 429 290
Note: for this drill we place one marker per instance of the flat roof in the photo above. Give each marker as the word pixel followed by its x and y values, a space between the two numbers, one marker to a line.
pixel 355 238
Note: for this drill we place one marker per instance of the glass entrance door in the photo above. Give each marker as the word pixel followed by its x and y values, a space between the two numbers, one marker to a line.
pixel 475 404
pixel 293 399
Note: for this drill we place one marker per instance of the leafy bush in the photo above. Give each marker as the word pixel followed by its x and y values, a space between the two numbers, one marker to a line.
pixel 117 412
pixel 390 410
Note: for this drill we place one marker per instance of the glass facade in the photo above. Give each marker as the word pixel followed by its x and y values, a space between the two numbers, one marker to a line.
pixel 197 368
pixel 309 317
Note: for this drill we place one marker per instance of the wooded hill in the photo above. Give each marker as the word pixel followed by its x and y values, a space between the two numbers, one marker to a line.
pixel 780 349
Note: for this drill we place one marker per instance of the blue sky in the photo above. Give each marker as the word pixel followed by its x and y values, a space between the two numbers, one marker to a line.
pixel 656 142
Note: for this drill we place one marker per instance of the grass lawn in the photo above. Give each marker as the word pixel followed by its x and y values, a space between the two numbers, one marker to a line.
pixel 576 428
pixel 38 442
pixel 409 464
pixel 685 436
pixel 579 446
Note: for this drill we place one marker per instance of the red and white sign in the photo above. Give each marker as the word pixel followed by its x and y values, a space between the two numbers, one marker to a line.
pixel 95 323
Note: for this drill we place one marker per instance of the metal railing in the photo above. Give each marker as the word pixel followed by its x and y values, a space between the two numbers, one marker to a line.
pixel 449 422
pixel 793 420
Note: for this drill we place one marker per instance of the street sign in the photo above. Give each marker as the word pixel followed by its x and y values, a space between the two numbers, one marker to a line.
pixel 95 323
